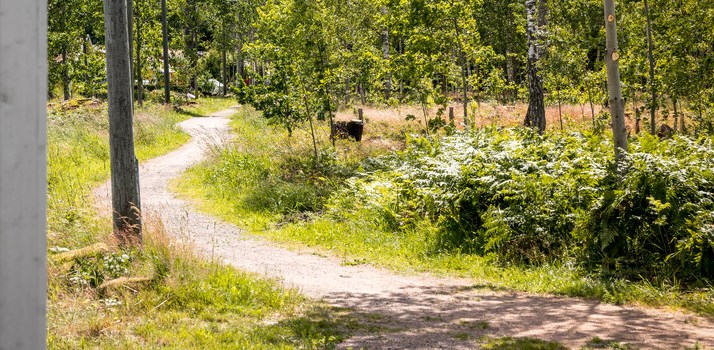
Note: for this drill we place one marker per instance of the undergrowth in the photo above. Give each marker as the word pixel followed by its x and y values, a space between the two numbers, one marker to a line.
pixel 161 295
pixel 509 208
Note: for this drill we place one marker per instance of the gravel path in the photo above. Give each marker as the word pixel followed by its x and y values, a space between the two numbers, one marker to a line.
pixel 416 312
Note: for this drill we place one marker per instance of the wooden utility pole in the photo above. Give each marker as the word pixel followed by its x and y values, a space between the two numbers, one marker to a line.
pixel 124 166
pixel 23 174
pixel 612 62
pixel 165 29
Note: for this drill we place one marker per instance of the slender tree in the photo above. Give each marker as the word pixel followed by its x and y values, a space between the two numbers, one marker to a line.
pixel 190 38
pixel 66 80
pixel 462 63
pixel 139 43
pixel 165 31
pixel 124 166
pixel 224 50
pixel 650 59
pixel 385 55
pixel 130 31
pixel 617 103
pixel 536 12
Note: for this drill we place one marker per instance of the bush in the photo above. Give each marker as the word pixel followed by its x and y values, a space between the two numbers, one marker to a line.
pixel 529 199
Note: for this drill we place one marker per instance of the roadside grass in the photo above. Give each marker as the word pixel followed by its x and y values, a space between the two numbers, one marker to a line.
pixel 163 295
pixel 185 303
pixel 270 184
pixel 78 158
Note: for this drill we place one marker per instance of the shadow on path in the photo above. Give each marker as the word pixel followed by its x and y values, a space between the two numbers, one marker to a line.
pixel 457 317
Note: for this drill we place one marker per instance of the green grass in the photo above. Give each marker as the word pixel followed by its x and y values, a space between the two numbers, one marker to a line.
pixel 508 343
pixel 257 185
pixel 188 304
pixel 78 159
pixel 183 302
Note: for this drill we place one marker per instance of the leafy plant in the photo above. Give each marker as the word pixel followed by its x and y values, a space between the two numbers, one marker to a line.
pixel 528 199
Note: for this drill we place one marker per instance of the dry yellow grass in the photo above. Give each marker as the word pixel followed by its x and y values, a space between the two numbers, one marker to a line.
pixel 487 114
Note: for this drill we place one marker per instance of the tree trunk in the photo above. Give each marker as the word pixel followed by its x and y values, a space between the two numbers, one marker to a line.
pixel 462 62
pixel 309 115
pixel 240 63
pixel 348 87
pixel 130 33
pixel 167 78
pixel 191 12
pixel 676 113
pixel 590 100
pixel 85 56
pixel 139 75
pixel 560 110
pixel 385 52
pixel 617 104
pixel 362 94
pixel 224 72
pixel 535 116
pixel 124 166
pixel 650 58
pixel 510 68
pixel 66 90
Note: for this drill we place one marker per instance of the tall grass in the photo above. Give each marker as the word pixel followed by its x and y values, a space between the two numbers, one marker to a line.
pixel 78 159
pixel 187 303
pixel 165 296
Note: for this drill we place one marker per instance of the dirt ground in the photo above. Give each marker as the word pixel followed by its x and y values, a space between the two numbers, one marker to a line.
pixel 408 311
pixel 490 113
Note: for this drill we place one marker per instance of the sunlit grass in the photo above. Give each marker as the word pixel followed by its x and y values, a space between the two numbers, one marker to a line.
pixel 230 185
pixel 189 303
pixel 179 301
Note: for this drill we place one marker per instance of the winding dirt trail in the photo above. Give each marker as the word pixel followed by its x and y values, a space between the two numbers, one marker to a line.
pixel 414 312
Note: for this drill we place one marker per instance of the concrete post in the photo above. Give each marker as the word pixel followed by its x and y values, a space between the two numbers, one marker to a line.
pixel 23 178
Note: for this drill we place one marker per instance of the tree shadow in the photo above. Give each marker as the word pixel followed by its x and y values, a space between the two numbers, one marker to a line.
pixel 191 114
pixel 460 317
pixel 322 327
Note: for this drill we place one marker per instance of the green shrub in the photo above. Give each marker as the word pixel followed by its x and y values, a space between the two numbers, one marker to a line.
pixel 528 199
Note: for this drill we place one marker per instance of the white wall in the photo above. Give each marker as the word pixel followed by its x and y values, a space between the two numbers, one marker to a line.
pixel 23 91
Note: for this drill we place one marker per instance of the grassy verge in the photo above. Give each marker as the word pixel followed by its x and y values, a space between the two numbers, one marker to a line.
pixel 78 158
pixel 269 184
pixel 162 295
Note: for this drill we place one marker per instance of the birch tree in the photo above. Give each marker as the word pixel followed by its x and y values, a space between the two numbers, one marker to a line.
pixel 617 104
pixel 536 21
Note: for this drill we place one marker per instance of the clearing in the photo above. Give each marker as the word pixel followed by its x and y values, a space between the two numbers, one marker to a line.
pixel 405 311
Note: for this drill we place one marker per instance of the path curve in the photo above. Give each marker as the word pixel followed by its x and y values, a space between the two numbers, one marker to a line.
pixel 420 312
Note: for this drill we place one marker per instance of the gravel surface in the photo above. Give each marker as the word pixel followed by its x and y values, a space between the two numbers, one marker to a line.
pixel 411 311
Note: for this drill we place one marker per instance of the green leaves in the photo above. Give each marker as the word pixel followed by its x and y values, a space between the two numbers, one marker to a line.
pixel 530 199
